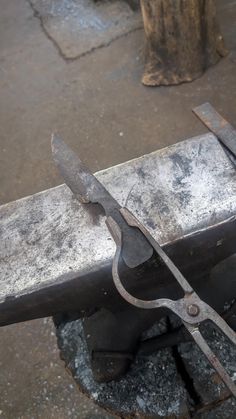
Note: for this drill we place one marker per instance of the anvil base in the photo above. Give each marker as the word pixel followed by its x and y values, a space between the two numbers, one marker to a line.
pixel 56 254
pixel 172 383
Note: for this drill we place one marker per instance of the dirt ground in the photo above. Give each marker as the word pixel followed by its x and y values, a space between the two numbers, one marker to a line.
pixel 98 105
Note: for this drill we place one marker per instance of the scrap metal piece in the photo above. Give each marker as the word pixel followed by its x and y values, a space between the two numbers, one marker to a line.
pixel 86 187
pixel 190 309
pixel 218 125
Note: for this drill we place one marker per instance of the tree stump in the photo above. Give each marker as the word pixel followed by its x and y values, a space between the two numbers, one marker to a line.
pixel 183 39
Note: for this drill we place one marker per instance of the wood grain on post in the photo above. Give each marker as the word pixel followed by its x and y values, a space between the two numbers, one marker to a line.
pixel 183 39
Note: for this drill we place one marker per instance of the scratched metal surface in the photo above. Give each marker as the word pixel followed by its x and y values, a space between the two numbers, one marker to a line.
pixel 175 191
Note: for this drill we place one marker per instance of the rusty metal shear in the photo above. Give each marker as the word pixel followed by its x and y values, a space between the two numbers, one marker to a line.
pixel 136 244
pixel 190 309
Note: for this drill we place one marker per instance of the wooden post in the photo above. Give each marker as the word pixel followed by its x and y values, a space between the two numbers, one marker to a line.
pixel 182 40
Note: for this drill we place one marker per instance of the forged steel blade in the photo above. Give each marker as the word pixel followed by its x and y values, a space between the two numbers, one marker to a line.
pixel 84 185
pixel 223 130
pixel 87 188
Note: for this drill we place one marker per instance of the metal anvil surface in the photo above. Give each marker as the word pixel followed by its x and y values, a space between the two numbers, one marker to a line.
pixel 56 254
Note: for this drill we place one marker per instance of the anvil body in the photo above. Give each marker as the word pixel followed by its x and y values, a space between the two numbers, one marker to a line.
pixel 56 254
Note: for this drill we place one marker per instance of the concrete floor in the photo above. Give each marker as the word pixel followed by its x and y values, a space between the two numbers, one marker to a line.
pixel 98 105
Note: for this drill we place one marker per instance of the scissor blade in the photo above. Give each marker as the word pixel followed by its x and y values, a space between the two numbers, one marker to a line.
pixel 78 177
pixel 135 248
pixel 212 358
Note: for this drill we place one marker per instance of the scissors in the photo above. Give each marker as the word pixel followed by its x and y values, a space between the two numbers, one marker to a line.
pixel 135 245
pixel 190 308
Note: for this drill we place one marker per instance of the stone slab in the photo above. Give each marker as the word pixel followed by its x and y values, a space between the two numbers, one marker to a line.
pixel 80 26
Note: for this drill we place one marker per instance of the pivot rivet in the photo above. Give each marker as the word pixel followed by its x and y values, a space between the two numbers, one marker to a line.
pixel 193 310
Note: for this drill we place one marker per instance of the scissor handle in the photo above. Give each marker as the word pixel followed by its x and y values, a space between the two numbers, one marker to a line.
pixel 191 309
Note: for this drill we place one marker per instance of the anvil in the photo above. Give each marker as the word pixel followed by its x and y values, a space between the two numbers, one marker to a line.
pixel 56 253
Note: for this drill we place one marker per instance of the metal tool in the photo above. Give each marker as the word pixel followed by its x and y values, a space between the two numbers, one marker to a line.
pixel 190 309
pixel 224 131
pixel 135 245
pixel 87 188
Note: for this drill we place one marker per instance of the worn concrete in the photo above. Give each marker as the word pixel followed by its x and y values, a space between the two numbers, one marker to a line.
pixel 98 105
pixel 33 380
pixel 78 27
